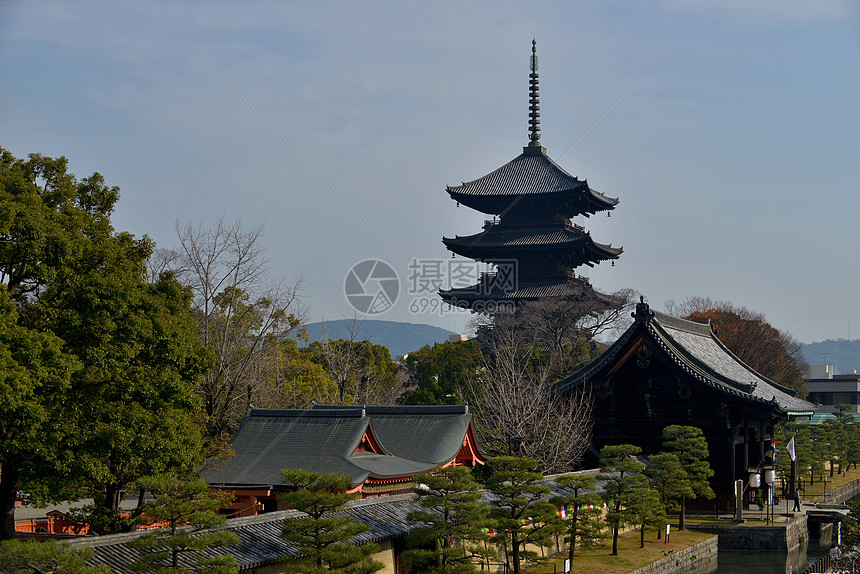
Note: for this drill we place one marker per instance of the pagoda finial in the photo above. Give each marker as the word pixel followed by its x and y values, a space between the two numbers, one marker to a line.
pixel 534 99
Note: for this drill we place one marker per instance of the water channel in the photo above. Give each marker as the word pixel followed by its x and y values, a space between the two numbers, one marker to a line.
pixel 769 562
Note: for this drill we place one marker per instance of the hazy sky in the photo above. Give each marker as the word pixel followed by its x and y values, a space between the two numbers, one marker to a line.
pixel 735 153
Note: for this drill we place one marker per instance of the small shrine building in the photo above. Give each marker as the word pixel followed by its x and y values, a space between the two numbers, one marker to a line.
pixel 379 448
pixel 667 371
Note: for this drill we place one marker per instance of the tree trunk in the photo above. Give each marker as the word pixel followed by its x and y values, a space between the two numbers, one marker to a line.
pixel 642 537
pixel 572 537
pixel 682 522
pixel 515 550
pixel 9 480
pixel 614 541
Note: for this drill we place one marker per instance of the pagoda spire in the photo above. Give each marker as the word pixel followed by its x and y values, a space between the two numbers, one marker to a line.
pixel 534 105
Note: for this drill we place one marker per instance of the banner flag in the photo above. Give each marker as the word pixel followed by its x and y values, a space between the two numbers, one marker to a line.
pixel 790 448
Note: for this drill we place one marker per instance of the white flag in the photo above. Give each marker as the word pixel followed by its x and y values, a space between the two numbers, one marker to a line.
pixel 790 448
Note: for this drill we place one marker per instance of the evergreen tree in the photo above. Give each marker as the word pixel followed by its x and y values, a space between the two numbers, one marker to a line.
pixel 669 479
pixel 116 403
pixel 46 557
pixel 323 538
pixel 644 508
pixel 441 374
pixel 188 507
pixel 519 511
pixel 690 446
pixel 582 510
pixel 454 518
pixel 621 473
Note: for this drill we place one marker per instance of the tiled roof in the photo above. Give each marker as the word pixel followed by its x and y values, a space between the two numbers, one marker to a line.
pixel 529 174
pixel 496 238
pixel 695 349
pixel 260 543
pixel 324 439
pixel 523 291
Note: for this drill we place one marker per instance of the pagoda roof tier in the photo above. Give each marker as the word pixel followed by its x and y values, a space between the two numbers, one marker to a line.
pixel 532 174
pixel 499 242
pixel 481 296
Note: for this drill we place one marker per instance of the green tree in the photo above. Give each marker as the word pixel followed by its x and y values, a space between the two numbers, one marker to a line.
pixel 645 509
pixel 690 446
pixel 364 372
pixel 582 509
pixel 453 520
pixel 519 510
pixel 669 479
pixel 298 381
pixel 46 557
pixel 126 408
pixel 35 376
pixel 323 538
pixel 441 374
pixel 190 510
pixel 621 473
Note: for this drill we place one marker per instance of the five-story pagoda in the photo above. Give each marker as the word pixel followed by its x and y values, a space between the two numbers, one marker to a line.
pixel 531 240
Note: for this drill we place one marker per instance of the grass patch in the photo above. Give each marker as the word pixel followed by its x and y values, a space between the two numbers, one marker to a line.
pixel 598 560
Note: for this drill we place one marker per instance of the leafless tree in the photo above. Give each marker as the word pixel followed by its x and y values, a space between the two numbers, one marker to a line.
pixel 526 352
pixel 242 316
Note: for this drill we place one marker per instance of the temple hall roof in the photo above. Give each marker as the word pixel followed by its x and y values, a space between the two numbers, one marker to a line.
pixel 695 349
pixel 408 441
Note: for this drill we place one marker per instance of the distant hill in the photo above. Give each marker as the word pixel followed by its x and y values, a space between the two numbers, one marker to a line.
pixel 843 354
pixel 399 338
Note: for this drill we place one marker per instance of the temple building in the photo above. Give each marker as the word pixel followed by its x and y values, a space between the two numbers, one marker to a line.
pixel 667 371
pixel 530 239
pixel 379 448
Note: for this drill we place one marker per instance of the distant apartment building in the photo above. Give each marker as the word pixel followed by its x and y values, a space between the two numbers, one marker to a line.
pixel 827 390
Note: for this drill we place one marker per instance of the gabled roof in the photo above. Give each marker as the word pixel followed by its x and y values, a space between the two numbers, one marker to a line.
pixel 529 174
pixel 404 440
pixel 695 349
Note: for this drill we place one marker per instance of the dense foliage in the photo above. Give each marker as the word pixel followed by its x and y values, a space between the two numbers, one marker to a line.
pixel 106 359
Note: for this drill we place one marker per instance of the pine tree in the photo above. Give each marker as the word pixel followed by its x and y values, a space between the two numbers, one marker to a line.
pixel 669 479
pixel 519 511
pixel 645 509
pixel 690 446
pixel 621 473
pixel 189 508
pixel 583 510
pixel 324 537
pixel 454 518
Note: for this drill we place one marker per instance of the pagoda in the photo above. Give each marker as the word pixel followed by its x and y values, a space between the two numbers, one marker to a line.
pixel 530 240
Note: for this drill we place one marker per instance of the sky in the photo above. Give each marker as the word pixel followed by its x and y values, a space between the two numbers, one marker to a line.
pixel 729 130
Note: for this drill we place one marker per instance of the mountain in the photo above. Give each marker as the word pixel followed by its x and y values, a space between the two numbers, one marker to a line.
pixel 843 354
pixel 398 338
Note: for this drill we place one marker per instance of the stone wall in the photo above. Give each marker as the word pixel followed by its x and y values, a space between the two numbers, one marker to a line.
pixel 700 558
pixel 740 538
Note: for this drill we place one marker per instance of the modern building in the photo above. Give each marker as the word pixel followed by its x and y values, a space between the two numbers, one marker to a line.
pixel 827 390
pixel 530 239
pixel 667 371
pixel 379 448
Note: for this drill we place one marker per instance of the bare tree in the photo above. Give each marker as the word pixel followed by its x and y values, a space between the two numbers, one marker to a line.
pixel 242 316
pixel 526 352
